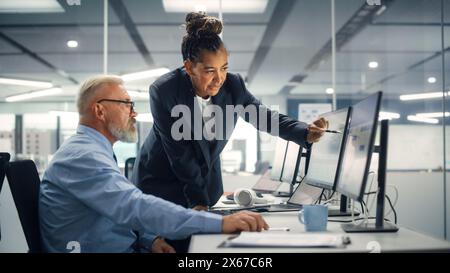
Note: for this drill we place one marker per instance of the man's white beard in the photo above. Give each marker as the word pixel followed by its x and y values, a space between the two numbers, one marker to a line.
pixel 128 134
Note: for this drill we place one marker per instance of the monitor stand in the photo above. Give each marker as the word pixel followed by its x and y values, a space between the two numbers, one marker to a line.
pixel 380 225
pixel 342 211
pixel 370 227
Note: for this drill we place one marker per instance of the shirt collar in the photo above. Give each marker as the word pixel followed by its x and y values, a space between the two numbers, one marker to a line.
pixel 96 136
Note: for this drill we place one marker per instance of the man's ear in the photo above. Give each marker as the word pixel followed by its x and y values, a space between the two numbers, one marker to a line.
pixel 99 111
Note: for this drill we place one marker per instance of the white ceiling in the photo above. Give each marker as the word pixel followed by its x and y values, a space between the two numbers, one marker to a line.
pixel 405 34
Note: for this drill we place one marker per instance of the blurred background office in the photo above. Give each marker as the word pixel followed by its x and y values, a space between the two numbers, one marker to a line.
pixel 302 57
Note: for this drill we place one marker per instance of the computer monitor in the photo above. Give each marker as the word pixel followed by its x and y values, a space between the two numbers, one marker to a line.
pixel 278 160
pixel 359 147
pixel 326 155
pixel 291 163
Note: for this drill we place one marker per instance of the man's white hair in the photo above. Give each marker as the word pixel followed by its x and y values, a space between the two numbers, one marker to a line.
pixel 90 86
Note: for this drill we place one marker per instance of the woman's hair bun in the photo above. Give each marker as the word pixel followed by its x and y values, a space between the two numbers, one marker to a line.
pixel 199 24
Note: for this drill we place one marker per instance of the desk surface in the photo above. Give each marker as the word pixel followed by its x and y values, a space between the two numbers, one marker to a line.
pixel 405 240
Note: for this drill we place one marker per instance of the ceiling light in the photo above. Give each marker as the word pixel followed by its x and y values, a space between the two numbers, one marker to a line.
pixel 30 6
pixel 34 94
pixel 373 64
pixel 433 115
pixel 72 43
pixel 425 120
pixel 431 79
pixel 422 96
pixel 200 8
pixel 329 91
pixel 144 74
pixel 138 94
pixel 229 6
pixel 388 115
pixel 37 84
pixel 145 117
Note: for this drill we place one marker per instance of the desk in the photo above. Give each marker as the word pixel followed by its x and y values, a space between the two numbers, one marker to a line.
pixel 405 240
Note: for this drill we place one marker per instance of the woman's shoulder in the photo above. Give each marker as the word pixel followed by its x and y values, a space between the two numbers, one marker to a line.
pixel 168 79
pixel 234 82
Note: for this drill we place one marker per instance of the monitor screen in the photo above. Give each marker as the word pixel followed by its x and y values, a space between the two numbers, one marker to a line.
pixel 278 160
pixel 291 162
pixel 325 158
pixel 358 147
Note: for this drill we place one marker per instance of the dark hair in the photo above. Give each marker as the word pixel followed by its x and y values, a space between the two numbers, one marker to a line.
pixel 202 34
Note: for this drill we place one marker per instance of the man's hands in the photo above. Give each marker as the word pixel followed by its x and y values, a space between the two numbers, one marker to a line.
pixel 316 130
pixel 243 221
pixel 160 246
pixel 200 208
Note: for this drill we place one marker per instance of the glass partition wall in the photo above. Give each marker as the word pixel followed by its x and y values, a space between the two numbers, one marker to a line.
pixel 299 56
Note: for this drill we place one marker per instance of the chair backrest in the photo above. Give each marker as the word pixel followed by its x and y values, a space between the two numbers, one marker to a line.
pixel 4 159
pixel 24 182
pixel 129 164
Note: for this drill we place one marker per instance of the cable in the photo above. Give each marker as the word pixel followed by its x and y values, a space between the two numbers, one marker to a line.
pixel 395 202
pixel 320 197
pixel 395 213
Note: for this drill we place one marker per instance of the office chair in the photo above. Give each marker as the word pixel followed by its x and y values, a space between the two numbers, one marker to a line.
pixel 129 164
pixel 24 182
pixel 4 159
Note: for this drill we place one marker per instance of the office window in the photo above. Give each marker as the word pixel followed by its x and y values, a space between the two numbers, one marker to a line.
pixel 7 133
pixel 240 152
pixel 40 136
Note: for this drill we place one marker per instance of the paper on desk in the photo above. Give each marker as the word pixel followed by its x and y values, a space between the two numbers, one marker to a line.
pixel 266 239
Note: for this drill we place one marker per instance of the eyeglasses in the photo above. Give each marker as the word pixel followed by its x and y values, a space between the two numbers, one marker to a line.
pixel 131 103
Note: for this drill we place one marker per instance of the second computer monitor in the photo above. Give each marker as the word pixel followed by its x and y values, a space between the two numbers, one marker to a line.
pixel 359 147
pixel 291 163
pixel 278 160
pixel 323 169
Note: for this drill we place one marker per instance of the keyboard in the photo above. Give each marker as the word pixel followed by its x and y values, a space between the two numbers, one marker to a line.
pixel 283 207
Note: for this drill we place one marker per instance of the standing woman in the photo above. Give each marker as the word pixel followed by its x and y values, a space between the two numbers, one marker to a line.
pixel 187 171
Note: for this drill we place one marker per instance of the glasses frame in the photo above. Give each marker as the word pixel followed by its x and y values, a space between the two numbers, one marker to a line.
pixel 129 102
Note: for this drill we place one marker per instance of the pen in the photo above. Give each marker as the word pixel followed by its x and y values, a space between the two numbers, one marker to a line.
pixel 279 229
pixel 333 131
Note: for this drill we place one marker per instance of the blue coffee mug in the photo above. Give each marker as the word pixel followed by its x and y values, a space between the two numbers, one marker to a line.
pixel 314 217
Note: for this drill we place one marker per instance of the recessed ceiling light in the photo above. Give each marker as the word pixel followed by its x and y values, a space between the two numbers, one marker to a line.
pixel 388 115
pixel 72 43
pixel 145 74
pixel 329 91
pixel 30 6
pixel 421 119
pixel 423 96
pixel 229 6
pixel 431 79
pixel 34 94
pixel 373 64
pixel 433 115
pixel 37 84
pixel 200 8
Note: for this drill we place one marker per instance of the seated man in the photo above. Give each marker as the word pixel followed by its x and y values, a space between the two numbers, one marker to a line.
pixel 87 204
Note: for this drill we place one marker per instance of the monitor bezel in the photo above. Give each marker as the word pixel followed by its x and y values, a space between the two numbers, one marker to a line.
pixel 278 178
pixel 370 149
pixel 315 183
pixel 297 164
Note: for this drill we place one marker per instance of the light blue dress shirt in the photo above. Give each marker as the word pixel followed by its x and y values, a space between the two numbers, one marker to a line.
pixel 87 204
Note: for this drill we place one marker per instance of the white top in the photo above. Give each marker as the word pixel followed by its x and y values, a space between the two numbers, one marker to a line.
pixel 207 117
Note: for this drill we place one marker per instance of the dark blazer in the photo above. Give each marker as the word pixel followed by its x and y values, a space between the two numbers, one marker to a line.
pixel 188 172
